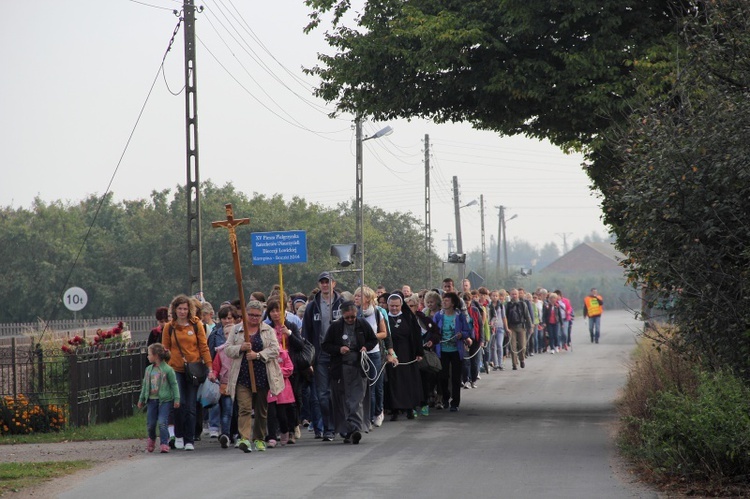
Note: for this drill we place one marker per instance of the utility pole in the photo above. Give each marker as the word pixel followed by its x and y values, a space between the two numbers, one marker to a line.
pixel 500 217
pixel 484 249
pixel 450 242
pixel 505 239
pixel 195 252
pixel 427 228
pixel 564 236
pixel 358 202
pixel 459 244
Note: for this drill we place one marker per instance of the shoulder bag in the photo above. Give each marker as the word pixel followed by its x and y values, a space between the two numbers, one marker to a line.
pixel 195 372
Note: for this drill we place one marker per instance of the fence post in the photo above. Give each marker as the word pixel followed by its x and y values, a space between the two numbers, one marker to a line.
pixel 40 367
pixel 15 367
pixel 73 393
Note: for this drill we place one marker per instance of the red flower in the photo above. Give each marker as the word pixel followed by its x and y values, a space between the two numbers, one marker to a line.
pixel 66 349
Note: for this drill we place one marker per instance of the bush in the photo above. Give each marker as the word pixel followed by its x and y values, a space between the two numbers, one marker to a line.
pixel 706 436
pixel 682 421
pixel 19 416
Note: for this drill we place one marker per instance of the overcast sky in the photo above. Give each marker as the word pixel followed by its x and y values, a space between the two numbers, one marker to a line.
pixel 75 75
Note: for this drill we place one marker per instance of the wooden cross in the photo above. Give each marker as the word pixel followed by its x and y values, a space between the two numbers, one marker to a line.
pixel 231 223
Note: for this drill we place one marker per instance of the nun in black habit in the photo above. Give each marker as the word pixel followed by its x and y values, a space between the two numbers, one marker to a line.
pixel 404 380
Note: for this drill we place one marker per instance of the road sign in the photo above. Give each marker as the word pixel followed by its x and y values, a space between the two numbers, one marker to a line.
pixel 75 299
pixel 279 247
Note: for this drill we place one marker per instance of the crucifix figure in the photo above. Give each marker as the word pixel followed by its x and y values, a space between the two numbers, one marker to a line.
pixel 231 223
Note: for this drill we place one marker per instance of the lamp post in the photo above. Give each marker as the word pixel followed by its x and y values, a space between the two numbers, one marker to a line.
pixel 459 242
pixel 359 206
pixel 505 243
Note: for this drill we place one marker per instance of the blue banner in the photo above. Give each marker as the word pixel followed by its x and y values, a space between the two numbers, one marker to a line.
pixel 286 247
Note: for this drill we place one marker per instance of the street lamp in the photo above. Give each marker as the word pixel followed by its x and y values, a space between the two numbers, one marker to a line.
pixel 505 243
pixel 459 240
pixel 359 206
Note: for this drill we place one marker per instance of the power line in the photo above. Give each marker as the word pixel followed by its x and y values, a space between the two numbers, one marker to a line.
pixel 112 177
pixel 294 123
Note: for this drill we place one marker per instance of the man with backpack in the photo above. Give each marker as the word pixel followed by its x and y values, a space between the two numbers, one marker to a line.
pixel 517 314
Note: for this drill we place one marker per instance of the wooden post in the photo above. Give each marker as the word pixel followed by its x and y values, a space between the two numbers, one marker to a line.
pixel 231 223
pixel 282 299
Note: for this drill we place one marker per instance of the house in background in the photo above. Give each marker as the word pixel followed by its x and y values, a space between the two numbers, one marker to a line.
pixel 588 258
pixel 591 265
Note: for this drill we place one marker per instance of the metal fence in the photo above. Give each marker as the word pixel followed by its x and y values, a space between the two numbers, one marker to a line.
pixel 93 384
pixel 139 326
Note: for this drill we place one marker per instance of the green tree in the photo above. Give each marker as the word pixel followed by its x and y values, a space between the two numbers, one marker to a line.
pixel 558 70
pixel 681 203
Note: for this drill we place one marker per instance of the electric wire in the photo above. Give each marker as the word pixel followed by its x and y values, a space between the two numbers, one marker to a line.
pixel 111 179
pixel 257 58
pixel 320 134
pixel 152 5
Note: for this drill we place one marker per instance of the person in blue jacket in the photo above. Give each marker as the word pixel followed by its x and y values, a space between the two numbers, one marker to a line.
pixel 455 340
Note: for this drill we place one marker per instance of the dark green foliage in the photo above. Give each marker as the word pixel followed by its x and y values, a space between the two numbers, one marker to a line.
pixel 135 257
pixel 705 435
pixel 680 199
pixel 550 69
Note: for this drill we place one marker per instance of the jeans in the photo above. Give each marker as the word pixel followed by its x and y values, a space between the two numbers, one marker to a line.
pixel 323 392
pixel 184 416
pixel 563 334
pixel 225 414
pixel 311 407
pixel 376 390
pixel 594 325
pixel 539 339
pixel 496 347
pixel 214 418
pixel 553 333
pixel 158 413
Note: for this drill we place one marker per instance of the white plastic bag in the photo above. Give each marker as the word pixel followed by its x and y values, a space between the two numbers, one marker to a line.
pixel 208 393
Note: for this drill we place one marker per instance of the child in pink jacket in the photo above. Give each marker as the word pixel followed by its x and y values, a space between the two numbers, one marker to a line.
pixel 283 403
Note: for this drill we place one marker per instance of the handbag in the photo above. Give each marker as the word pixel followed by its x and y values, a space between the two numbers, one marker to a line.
pixel 195 372
pixel 430 362
pixel 304 358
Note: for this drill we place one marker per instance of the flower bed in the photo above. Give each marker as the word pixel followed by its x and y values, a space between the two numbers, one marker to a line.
pixel 20 416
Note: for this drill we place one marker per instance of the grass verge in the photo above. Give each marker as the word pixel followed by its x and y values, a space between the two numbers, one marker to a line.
pixel 122 429
pixel 15 476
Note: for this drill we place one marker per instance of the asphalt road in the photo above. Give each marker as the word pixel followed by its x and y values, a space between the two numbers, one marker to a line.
pixel 541 432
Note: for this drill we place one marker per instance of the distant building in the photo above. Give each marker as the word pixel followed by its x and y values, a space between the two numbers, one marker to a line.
pixel 588 258
pixel 592 265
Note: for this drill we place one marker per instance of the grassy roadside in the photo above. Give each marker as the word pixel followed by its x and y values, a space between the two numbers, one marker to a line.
pixel 683 426
pixel 15 476
pixel 122 429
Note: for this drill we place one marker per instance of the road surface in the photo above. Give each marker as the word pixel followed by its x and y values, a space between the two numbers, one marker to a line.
pixel 545 431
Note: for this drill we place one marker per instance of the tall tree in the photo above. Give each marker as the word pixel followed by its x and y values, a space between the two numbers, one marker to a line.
pixel 549 69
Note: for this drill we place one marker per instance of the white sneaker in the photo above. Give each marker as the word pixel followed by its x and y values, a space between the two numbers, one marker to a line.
pixel 179 443
pixel 473 385
pixel 214 434
pixel 189 447
pixel 378 420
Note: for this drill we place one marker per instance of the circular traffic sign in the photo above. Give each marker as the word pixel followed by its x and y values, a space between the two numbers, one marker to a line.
pixel 75 299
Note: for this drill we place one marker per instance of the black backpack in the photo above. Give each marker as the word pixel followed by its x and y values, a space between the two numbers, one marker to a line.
pixel 515 313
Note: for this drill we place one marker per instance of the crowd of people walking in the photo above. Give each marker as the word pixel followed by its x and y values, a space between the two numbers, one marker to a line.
pixel 334 364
